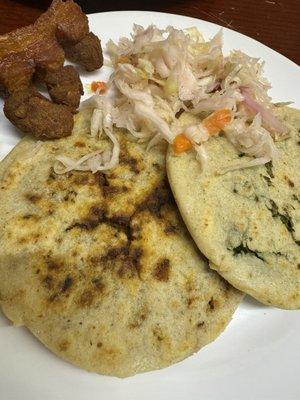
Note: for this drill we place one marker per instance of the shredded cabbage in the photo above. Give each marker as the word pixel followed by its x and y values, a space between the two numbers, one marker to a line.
pixel 160 72
pixel 100 160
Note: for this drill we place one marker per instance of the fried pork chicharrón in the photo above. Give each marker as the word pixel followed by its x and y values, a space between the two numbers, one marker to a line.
pixel 37 53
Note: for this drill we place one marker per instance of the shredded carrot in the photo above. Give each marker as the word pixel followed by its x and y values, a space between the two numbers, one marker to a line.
pixel 216 121
pixel 181 143
pixel 98 85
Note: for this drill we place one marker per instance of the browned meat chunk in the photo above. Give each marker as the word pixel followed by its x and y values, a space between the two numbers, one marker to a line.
pixel 71 24
pixel 15 75
pixel 87 52
pixel 39 46
pixel 32 113
pixel 37 51
pixel 64 86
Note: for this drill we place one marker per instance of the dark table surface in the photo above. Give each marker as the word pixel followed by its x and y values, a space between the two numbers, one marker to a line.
pixel 272 22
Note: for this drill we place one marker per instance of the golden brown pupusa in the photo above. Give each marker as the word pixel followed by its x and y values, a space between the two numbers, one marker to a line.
pixel 246 222
pixel 100 267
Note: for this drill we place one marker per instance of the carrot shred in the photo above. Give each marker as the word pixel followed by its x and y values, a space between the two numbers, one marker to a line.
pixel 216 121
pixel 181 143
pixel 98 85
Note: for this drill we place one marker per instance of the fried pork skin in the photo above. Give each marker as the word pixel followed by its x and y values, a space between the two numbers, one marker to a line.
pixel 64 86
pixel 32 113
pixel 86 53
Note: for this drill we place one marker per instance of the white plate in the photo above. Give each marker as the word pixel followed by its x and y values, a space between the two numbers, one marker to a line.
pixel 257 357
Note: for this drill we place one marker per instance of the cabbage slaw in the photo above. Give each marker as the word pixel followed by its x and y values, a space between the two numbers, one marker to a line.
pixel 158 73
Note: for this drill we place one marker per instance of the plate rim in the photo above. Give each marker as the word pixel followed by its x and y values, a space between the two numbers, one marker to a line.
pixel 213 24
pixel 129 387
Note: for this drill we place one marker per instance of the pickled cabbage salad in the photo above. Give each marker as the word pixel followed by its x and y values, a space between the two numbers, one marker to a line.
pixel 160 73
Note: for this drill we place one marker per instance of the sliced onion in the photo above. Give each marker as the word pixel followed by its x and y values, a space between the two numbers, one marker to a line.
pixel 267 116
